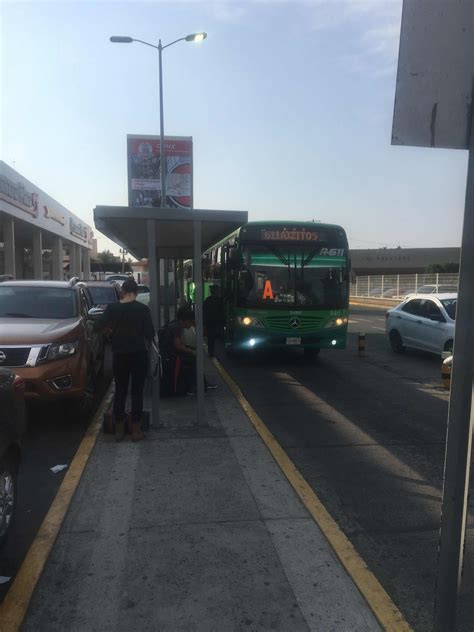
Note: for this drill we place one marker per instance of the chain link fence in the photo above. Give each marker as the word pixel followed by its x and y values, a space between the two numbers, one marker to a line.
pixel 399 285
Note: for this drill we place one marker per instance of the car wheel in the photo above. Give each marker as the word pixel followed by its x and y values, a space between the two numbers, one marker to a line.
pixel 8 480
pixel 449 346
pixel 396 342
pixel 310 355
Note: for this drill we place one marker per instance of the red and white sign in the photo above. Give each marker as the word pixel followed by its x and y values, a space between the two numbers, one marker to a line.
pixel 144 171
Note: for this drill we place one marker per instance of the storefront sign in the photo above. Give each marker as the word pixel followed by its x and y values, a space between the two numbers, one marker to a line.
pixel 22 200
pixel 78 229
pixel 16 194
pixel 49 214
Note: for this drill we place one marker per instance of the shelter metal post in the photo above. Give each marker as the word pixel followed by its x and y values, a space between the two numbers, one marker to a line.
pixel 175 286
pixel 199 322
pixel 153 271
pixel 166 291
pixel 460 422
pixel 158 291
pixel 182 287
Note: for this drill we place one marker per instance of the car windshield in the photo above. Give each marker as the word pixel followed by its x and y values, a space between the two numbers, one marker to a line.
pixel 37 302
pixel 143 289
pixel 103 295
pixel 289 278
pixel 449 305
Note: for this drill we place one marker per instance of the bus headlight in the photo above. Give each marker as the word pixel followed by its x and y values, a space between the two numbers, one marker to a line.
pixel 337 322
pixel 249 321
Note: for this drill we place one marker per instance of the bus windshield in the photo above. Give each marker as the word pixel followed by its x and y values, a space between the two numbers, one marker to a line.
pixel 288 278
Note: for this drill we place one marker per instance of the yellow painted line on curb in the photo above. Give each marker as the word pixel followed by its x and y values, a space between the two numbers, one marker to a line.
pixel 14 606
pixel 385 611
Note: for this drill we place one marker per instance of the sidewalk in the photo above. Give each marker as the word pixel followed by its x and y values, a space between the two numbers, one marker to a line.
pixel 192 529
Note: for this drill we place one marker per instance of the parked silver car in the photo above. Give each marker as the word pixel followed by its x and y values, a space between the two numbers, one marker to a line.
pixel 423 321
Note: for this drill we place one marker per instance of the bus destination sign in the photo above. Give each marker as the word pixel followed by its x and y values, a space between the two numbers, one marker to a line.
pixel 289 234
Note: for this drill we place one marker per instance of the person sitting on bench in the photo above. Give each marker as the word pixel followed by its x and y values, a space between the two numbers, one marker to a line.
pixel 179 366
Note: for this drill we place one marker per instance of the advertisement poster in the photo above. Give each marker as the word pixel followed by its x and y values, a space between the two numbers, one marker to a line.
pixel 144 171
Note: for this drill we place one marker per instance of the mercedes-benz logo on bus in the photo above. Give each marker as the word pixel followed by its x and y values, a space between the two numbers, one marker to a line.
pixel 3 357
pixel 294 323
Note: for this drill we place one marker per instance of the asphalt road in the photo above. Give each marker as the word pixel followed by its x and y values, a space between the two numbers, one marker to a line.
pixel 368 434
pixel 51 439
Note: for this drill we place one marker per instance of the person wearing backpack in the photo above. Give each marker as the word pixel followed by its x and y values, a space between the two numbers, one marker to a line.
pixel 131 334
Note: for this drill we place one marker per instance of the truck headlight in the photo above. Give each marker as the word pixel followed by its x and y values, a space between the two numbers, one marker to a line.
pixel 337 322
pixel 58 350
pixel 249 321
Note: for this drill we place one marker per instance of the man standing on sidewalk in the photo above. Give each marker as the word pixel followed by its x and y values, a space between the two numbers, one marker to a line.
pixel 132 332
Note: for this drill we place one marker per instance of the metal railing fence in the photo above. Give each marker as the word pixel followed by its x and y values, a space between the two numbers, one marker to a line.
pixel 399 285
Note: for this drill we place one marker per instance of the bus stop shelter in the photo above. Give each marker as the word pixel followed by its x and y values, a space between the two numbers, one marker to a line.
pixel 167 233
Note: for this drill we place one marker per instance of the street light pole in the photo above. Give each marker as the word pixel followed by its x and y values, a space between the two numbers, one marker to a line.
pixel 162 131
pixel 193 37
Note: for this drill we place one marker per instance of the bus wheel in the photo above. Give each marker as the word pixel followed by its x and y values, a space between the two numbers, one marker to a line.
pixel 310 355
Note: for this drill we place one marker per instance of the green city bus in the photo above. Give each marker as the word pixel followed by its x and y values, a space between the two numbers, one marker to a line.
pixel 284 284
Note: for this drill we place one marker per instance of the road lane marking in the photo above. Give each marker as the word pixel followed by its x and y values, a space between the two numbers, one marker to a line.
pixel 385 306
pixel 14 606
pixel 386 612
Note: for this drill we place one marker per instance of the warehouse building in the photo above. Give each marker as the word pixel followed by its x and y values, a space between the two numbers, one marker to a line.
pixel 39 237
pixel 377 261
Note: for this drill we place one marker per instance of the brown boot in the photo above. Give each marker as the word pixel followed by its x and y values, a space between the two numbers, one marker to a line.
pixel 119 430
pixel 137 434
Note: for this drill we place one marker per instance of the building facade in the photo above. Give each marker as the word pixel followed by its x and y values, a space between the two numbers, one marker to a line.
pixel 400 260
pixel 38 236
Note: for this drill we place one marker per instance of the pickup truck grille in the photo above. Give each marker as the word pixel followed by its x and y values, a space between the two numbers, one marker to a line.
pixel 14 356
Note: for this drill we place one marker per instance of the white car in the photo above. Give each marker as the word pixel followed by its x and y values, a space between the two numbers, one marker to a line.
pixel 118 278
pixel 144 295
pixel 423 321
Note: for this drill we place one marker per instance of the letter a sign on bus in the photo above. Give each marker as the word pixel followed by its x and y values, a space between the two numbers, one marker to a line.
pixel 268 290
pixel 434 107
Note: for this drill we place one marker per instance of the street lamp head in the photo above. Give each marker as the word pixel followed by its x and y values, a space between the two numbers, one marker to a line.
pixel 196 37
pixel 119 39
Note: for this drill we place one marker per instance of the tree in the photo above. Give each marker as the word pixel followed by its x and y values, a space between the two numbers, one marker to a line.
pixel 450 268
pixel 106 257
pixel 108 262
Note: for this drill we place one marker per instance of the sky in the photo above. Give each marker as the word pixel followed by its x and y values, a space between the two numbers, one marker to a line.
pixel 289 104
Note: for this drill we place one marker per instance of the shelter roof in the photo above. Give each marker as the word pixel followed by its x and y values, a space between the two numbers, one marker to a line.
pixel 128 226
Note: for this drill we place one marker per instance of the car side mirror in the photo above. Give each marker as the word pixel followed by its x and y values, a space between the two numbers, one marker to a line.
pixel 437 318
pixel 95 313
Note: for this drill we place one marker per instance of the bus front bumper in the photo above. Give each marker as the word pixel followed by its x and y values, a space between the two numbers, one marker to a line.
pixel 259 337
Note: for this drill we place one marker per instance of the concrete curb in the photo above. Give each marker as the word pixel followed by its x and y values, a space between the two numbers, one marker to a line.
pixel 14 606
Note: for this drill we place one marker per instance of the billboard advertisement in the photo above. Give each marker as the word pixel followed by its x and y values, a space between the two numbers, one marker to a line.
pixel 144 171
